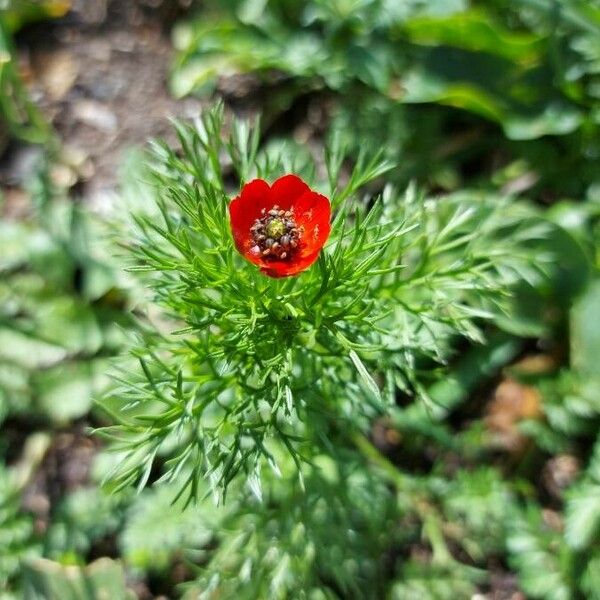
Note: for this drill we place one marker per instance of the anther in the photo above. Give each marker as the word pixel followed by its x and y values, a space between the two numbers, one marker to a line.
pixel 275 234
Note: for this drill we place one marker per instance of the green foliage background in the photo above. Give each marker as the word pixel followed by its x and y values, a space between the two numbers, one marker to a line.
pixel 406 487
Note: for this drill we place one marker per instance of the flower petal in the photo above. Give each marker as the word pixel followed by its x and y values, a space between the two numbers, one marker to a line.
pixel 245 208
pixel 281 268
pixel 313 212
pixel 287 189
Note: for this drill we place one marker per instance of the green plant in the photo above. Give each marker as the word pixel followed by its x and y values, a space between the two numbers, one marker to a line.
pixel 61 315
pixel 398 72
pixel 415 415
pixel 16 531
pixel 256 362
pixel 264 391
pixel 103 578
pixel 20 117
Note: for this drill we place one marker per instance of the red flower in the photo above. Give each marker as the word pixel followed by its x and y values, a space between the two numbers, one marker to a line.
pixel 281 228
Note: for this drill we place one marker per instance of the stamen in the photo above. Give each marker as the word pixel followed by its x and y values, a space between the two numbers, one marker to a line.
pixel 275 234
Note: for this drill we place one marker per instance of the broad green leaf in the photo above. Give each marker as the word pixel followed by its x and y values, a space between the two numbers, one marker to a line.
pixel 422 86
pixel 474 31
pixel 523 101
pixel 585 333
pixel 28 351
pixel 47 580
pixel 556 118
pixel 371 65
pixel 583 515
pixel 14 239
pixel 66 391
pixel 68 322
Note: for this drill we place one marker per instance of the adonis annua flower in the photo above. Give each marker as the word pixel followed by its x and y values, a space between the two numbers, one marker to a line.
pixel 282 227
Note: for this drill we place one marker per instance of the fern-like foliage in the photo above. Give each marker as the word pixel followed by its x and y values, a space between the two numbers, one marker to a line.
pixel 238 364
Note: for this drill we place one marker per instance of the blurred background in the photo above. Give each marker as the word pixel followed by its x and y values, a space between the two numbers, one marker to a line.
pixel 478 96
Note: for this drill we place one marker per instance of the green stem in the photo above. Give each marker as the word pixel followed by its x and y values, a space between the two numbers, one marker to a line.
pixel 370 452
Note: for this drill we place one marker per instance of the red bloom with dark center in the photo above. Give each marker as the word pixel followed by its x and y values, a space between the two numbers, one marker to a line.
pixel 282 227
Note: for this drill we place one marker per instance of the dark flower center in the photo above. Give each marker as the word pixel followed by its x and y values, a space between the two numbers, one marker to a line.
pixel 275 235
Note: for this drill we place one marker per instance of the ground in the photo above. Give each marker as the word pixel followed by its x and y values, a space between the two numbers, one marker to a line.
pixel 100 77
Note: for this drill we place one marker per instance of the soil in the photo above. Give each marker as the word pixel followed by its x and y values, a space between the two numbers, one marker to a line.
pixel 65 467
pixel 100 76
